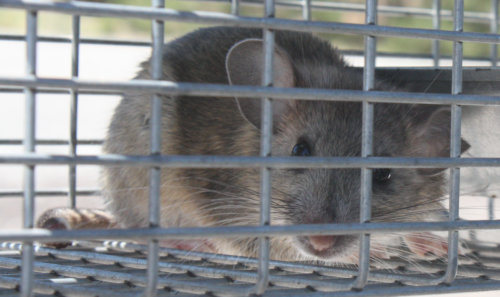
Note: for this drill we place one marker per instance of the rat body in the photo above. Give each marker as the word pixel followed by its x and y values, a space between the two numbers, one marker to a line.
pixel 229 126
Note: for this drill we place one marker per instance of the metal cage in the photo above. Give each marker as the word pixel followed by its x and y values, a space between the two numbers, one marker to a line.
pixel 111 268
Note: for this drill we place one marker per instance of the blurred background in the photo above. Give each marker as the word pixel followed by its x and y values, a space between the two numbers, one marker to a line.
pixel 53 24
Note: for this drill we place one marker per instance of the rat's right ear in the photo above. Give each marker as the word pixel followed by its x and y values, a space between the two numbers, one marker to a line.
pixel 430 135
pixel 245 65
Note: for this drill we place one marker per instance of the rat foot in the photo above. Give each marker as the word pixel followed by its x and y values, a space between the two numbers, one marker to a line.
pixel 69 218
pixel 425 244
pixel 193 245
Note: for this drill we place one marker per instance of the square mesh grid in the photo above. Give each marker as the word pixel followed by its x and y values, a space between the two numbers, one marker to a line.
pixel 115 268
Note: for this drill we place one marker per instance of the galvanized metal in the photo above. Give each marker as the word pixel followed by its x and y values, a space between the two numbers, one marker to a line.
pixel 455 145
pixel 125 42
pixel 51 193
pixel 117 270
pixel 494 29
pixel 52 142
pixel 266 134
pixel 306 10
pixel 234 231
pixel 155 150
pixel 476 80
pixel 367 146
pixel 121 268
pixel 16 37
pixel 491 207
pixel 470 16
pixel 73 121
pixel 436 24
pixel 29 147
pixel 235 7
pixel 250 162
pixel 114 10
pixel 195 89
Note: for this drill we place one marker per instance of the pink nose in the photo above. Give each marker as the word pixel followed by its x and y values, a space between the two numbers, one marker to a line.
pixel 322 242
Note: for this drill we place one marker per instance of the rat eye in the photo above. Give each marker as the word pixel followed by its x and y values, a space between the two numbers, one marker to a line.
pixel 301 149
pixel 381 175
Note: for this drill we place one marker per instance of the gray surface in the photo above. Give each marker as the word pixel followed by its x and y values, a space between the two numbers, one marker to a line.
pixel 113 268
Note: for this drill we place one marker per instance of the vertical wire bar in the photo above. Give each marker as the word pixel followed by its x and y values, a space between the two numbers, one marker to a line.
pixel 367 145
pixel 73 138
pixel 491 207
pixel 436 24
pixel 155 149
pixel 306 10
pixel 29 147
pixel 494 30
pixel 455 145
pixel 235 7
pixel 265 151
pixel 494 62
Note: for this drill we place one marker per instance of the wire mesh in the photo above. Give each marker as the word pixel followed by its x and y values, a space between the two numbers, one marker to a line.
pixel 120 268
pixel 114 268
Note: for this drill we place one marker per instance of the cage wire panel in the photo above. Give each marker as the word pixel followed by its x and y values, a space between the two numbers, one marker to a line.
pixel 112 268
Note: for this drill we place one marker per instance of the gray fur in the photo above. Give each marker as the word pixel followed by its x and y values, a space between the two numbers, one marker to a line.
pixel 215 126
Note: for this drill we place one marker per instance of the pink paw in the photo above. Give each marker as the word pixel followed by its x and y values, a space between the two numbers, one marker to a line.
pixel 426 244
pixel 189 245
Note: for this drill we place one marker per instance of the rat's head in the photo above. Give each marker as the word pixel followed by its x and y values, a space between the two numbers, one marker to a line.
pixel 321 128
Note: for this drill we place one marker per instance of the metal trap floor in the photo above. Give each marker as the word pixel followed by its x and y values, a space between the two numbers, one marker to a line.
pixel 119 269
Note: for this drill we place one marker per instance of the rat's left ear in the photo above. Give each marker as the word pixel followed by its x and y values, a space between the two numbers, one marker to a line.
pixel 244 66
pixel 430 134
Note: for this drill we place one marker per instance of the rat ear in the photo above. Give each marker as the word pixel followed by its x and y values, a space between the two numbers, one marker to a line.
pixel 244 66
pixel 431 135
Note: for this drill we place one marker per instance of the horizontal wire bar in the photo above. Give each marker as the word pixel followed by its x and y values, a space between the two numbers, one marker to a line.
pixel 462 285
pixel 236 274
pixel 196 89
pixel 52 142
pixel 480 17
pixel 383 276
pixel 52 288
pixel 477 81
pixel 123 11
pixel 384 290
pixel 95 41
pixel 56 91
pixel 329 271
pixel 44 235
pixel 50 193
pixel 114 276
pixel 210 161
pixel 15 37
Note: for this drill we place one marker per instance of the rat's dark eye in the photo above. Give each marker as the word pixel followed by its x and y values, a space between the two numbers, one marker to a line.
pixel 301 149
pixel 381 175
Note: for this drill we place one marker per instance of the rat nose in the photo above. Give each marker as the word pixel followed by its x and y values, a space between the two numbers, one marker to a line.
pixel 322 242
